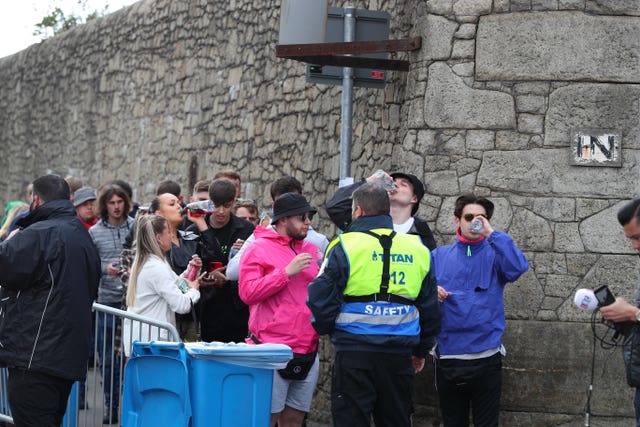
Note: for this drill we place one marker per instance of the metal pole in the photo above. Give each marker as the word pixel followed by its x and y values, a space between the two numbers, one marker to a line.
pixel 346 115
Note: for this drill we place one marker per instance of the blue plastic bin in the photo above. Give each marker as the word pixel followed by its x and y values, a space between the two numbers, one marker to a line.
pixel 230 383
pixel 200 384
pixel 156 386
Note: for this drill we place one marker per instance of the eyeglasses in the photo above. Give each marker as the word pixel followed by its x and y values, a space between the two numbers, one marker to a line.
pixel 470 217
pixel 305 216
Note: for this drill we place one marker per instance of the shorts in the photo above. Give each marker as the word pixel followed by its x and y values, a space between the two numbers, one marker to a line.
pixel 294 394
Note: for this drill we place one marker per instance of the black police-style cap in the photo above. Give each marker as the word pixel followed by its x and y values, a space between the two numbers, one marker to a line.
pixel 418 187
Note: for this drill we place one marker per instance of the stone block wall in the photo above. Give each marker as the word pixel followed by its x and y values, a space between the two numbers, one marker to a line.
pixel 179 89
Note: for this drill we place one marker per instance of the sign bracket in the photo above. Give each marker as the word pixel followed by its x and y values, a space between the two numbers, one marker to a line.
pixel 334 53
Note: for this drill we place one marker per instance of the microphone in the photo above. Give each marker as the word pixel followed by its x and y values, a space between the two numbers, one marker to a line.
pixel 585 300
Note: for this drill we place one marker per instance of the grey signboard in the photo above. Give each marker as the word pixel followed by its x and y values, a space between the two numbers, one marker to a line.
pixel 370 25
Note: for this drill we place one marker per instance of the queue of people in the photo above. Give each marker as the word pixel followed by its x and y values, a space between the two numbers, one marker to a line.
pixel 381 290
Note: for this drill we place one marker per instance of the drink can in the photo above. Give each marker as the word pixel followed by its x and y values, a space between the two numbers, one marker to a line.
pixel 476 225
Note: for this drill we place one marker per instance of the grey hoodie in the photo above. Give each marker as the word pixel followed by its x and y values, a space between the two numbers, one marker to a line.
pixel 109 239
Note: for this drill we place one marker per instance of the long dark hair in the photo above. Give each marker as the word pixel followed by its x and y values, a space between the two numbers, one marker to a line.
pixel 106 193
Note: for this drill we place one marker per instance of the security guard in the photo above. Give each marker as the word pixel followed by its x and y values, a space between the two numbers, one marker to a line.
pixel 376 295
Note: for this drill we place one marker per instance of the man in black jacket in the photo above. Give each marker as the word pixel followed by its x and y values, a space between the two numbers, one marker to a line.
pixel 404 198
pixel 223 315
pixel 50 274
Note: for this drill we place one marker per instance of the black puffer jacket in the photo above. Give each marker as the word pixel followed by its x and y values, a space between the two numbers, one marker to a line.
pixel 50 274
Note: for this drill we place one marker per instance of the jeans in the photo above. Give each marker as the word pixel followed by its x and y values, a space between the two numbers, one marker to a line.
pixel 110 360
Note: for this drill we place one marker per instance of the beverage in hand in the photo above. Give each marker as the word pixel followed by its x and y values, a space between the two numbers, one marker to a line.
pixel 200 208
pixel 192 272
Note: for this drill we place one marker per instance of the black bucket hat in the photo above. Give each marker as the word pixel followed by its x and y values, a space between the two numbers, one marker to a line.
pixel 290 204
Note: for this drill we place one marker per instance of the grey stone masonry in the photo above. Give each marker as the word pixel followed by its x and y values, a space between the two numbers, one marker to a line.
pixel 585 105
pixel 558 46
pixel 545 171
pixel 450 103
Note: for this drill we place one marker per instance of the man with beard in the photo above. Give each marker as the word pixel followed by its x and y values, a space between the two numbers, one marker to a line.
pixel 275 272
pixel 50 273
pixel 109 235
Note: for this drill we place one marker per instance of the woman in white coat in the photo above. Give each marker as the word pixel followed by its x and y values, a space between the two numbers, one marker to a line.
pixel 154 290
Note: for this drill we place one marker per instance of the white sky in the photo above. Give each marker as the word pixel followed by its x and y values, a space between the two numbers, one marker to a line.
pixel 18 18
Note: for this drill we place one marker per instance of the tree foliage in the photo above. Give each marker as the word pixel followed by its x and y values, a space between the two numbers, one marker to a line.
pixel 58 21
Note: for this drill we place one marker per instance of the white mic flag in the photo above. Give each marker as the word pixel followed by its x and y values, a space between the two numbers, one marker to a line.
pixel 585 300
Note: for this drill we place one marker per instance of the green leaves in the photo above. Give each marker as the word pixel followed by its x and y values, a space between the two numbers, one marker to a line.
pixel 58 21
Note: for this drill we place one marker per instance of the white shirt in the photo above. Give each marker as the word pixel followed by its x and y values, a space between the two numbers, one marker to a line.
pixel 157 297
pixel 404 227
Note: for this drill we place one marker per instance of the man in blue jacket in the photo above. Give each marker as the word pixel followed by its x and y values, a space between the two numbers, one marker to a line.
pixel 50 274
pixel 377 297
pixel 471 275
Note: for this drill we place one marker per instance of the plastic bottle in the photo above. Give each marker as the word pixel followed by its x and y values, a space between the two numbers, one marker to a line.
pixel 200 208
pixel 386 182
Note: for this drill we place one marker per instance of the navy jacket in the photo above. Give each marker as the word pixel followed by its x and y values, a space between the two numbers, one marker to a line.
pixel 50 275
pixel 326 300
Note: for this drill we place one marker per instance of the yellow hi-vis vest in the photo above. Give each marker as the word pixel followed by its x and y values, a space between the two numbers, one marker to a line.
pixel 409 264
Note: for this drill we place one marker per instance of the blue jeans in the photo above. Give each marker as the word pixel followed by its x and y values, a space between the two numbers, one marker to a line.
pixel 109 360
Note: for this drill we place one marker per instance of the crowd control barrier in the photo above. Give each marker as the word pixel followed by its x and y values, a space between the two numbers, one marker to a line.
pixel 86 406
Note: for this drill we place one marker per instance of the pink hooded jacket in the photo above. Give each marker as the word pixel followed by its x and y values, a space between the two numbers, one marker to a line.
pixel 277 309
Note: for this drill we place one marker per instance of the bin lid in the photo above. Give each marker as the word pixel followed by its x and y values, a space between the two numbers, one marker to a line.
pixel 266 356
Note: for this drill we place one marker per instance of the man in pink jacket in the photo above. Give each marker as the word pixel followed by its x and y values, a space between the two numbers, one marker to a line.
pixel 274 274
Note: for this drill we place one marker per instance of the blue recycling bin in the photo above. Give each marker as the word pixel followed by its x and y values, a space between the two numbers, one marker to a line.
pixel 70 418
pixel 156 386
pixel 230 383
pixel 200 384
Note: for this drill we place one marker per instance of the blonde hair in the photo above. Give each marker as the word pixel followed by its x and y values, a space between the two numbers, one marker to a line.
pixel 146 244
pixel 13 213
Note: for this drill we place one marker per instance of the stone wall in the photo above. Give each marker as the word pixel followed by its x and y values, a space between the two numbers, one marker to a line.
pixel 178 89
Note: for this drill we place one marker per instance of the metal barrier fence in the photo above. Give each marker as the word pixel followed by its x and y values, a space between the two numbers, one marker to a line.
pixel 97 401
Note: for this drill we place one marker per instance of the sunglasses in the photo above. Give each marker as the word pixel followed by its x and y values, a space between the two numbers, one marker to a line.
pixel 305 216
pixel 471 217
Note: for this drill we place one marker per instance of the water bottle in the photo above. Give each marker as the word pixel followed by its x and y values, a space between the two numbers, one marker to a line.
pixel 200 208
pixel 386 182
